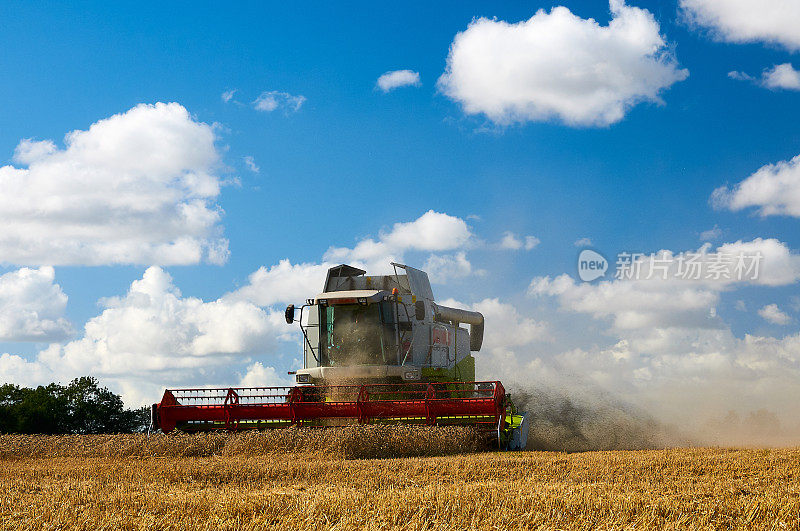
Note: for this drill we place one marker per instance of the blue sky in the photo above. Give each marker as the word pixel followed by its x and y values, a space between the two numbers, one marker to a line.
pixel 353 160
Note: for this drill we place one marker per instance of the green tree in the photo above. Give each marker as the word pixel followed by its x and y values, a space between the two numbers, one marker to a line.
pixel 80 407
pixel 37 410
pixel 95 409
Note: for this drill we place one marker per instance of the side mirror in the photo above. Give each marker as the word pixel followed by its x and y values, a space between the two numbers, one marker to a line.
pixel 419 310
pixel 289 314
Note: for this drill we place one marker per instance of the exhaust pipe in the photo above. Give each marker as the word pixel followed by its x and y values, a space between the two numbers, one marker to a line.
pixel 456 316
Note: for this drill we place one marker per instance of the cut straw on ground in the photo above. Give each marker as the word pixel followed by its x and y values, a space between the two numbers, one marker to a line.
pixel 347 442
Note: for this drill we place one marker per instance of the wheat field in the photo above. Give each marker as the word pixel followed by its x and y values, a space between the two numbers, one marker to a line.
pixel 310 479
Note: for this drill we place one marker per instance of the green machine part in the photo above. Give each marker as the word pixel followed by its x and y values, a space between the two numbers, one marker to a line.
pixel 515 434
pixel 463 371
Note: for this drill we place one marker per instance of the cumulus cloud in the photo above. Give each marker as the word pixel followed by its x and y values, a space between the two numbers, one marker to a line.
pixel 774 189
pixel 138 187
pixel 557 65
pixel 510 328
pixel 284 283
pixel 257 375
pixel 398 78
pixel 152 338
pixel 32 306
pixel 634 305
pixel 531 242
pixel 774 315
pixel 271 100
pixel 512 242
pixel 782 76
pixel 770 21
pixel 29 150
pixel 443 268
pixel 433 231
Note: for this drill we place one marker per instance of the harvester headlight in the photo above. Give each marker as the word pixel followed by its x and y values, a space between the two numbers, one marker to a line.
pixel 411 375
pixel 303 378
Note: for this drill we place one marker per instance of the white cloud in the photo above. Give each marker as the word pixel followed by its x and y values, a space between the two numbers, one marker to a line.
pixel 398 78
pixel 741 306
pixel 228 95
pixel 740 76
pixel 17 370
pixel 153 338
pixel 443 268
pixel 583 242
pixel 271 100
pixel 774 189
pixel 433 231
pixel 774 315
pixel 285 283
pixel 509 328
pixel 782 76
pixel 512 242
pixel 138 187
pixel 771 21
pixel 558 65
pixel 32 306
pixel 531 242
pixel 711 234
pixel 29 150
pixel 258 375
pixel 251 164
pixel 634 305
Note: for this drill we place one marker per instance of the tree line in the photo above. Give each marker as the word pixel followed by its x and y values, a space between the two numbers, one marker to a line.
pixel 80 407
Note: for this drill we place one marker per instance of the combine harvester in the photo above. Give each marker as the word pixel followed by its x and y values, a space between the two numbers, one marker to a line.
pixel 377 350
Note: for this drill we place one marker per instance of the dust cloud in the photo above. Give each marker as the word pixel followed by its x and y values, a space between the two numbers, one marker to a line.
pixel 563 422
pixel 580 421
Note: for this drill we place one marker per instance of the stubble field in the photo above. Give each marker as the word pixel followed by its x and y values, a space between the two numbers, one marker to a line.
pixel 308 480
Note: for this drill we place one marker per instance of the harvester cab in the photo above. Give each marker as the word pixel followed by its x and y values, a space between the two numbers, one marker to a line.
pixel 376 350
pixel 384 328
